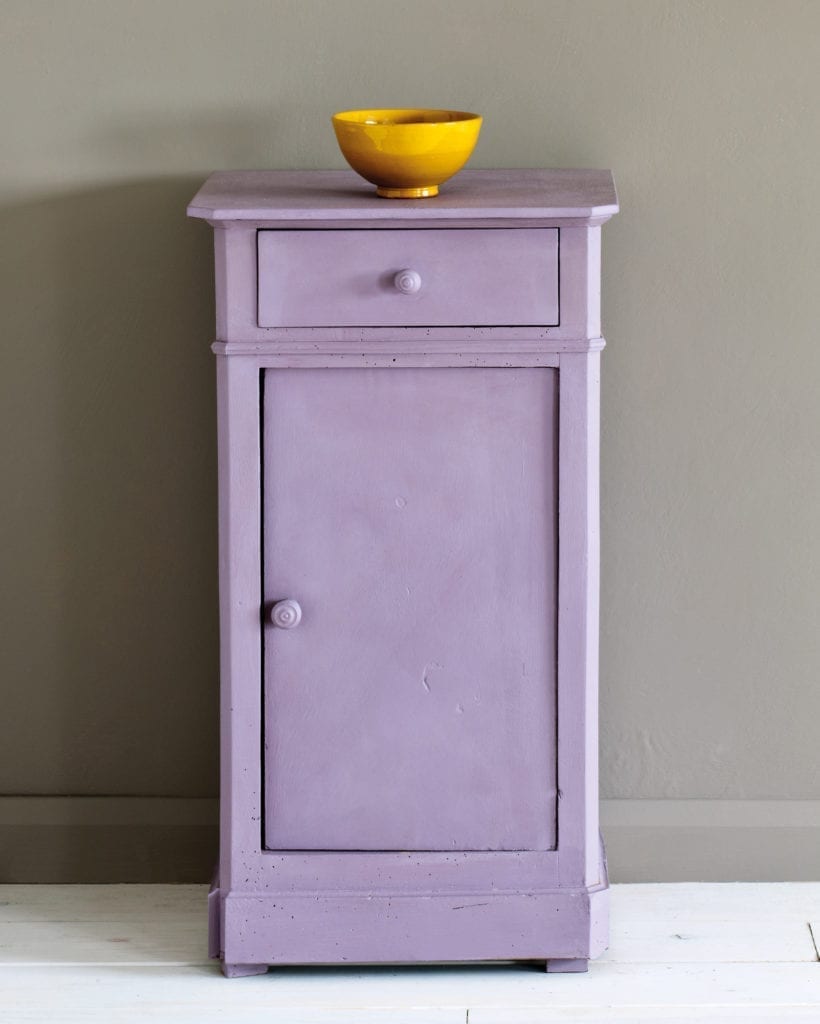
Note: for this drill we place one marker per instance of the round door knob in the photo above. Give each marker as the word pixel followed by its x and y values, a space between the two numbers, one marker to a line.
pixel 286 614
pixel 407 282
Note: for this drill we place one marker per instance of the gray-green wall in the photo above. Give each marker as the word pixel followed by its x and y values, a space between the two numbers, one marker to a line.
pixel 114 111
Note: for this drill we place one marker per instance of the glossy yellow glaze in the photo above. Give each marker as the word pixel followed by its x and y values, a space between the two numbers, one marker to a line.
pixel 407 154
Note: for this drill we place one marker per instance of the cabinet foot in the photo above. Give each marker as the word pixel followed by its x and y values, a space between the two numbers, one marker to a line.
pixel 242 970
pixel 567 966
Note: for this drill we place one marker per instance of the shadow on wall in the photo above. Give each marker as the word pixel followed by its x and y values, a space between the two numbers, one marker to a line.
pixel 109 596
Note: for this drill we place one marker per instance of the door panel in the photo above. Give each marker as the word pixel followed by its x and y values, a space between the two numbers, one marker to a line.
pixel 412 514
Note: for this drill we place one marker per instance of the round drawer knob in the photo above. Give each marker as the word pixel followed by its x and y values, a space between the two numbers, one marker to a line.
pixel 407 282
pixel 286 614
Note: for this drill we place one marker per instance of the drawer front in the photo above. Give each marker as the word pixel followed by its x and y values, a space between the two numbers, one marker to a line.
pixel 458 278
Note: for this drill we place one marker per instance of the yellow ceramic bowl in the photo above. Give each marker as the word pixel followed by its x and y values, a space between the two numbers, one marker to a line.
pixel 406 154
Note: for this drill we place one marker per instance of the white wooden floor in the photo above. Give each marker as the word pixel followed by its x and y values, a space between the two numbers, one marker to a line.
pixel 735 952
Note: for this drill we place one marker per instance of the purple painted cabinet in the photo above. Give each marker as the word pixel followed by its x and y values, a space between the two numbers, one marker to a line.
pixel 408 466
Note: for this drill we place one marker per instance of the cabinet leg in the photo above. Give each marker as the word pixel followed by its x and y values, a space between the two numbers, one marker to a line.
pixel 567 966
pixel 242 970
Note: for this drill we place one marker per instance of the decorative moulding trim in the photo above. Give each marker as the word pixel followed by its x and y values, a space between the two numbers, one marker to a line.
pixel 410 347
pixel 448 339
pixel 330 223
pixel 289 360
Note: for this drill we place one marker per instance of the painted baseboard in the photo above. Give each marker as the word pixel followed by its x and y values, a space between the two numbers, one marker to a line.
pixel 174 839
pixel 70 839
pixel 712 840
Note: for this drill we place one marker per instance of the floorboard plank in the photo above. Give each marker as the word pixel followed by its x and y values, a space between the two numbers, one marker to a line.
pixel 716 953
pixel 103 902
pixel 145 943
pixel 650 1015
pixel 718 899
pixel 689 939
pixel 493 994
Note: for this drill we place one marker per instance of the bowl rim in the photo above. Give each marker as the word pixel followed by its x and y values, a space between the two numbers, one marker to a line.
pixel 356 117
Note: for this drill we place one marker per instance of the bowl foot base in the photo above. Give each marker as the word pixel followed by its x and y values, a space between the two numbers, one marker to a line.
pixel 407 193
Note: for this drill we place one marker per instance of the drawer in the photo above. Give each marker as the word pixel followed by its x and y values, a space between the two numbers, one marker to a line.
pixel 458 277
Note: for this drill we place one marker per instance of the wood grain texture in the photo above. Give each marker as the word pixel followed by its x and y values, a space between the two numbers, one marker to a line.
pixel 74 954
pixel 501 994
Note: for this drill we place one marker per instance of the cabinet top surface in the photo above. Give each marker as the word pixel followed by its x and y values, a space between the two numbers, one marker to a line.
pixel 527 195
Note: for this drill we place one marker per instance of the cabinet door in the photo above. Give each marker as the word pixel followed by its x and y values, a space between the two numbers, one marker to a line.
pixel 412 515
